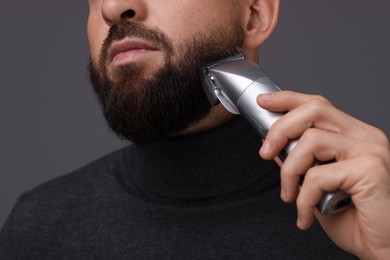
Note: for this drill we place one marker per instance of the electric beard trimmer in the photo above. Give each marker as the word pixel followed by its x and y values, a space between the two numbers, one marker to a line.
pixel 236 82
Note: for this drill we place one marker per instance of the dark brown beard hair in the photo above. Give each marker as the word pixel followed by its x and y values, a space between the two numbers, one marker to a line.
pixel 141 109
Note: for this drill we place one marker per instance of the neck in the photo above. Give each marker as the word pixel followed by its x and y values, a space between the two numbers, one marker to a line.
pixel 214 166
pixel 218 115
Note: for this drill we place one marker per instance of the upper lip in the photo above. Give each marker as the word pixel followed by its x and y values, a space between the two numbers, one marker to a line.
pixel 128 45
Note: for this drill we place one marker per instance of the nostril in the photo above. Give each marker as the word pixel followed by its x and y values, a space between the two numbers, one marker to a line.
pixel 128 14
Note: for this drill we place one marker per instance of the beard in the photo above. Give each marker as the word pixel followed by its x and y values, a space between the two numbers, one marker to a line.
pixel 141 108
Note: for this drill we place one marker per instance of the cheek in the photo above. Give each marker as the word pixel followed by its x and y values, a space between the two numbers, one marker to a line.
pixel 193 22
pixel 178 20
pixel 97 32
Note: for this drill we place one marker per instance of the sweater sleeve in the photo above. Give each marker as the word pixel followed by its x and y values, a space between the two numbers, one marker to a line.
pixel 22 229
pixel 9 234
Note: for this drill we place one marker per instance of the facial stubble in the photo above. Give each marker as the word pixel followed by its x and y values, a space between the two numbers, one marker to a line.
pixel 142 108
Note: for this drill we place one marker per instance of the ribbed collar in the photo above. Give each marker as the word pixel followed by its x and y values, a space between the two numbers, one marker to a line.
pixel 216 166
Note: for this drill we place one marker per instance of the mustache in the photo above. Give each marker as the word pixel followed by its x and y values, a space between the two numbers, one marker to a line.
pixel 130 29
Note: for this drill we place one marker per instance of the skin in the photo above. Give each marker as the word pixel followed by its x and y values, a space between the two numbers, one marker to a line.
pixel 361 152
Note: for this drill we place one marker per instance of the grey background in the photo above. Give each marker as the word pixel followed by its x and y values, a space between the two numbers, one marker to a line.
pixel 51 124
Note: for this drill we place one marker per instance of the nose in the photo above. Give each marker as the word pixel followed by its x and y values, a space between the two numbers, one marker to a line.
pixel 119 11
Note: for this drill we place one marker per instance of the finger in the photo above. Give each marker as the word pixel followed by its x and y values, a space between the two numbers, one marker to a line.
pixel 311 115
pixel 292 125
pixel 314 146
pixel 276 159
pixel 361 177
pixel 310 194
pixel 283 101
pixel 313 111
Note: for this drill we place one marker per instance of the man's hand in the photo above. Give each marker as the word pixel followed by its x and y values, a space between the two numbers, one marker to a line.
pixel 360 165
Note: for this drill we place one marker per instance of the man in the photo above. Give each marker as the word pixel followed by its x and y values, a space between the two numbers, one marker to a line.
pixel 192 185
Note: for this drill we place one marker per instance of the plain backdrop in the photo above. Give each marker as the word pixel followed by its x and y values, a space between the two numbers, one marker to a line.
pixel 51 123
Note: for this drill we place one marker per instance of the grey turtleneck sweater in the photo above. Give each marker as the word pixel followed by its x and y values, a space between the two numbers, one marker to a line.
pixel 204 196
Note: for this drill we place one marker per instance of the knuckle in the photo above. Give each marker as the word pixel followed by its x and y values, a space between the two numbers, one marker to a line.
pixel 311 134
pixel 378 167
pixel 381 136
pixel 311 176
pixel 317 104
pixel 320 100
pixel 285 171
pixel 287 92
pixel 276 131
pixel 316 109
pixel 382 151
pixel 302 203
pixel 273 136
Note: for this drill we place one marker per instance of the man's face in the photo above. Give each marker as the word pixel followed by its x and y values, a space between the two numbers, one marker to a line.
pixel 146 58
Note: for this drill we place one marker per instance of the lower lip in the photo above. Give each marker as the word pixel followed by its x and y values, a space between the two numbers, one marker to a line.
pixel 129 56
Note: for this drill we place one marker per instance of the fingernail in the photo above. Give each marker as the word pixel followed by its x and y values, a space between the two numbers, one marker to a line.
pixel 283 194
pixel 299 223
pixel 265 97
pixel 265 147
